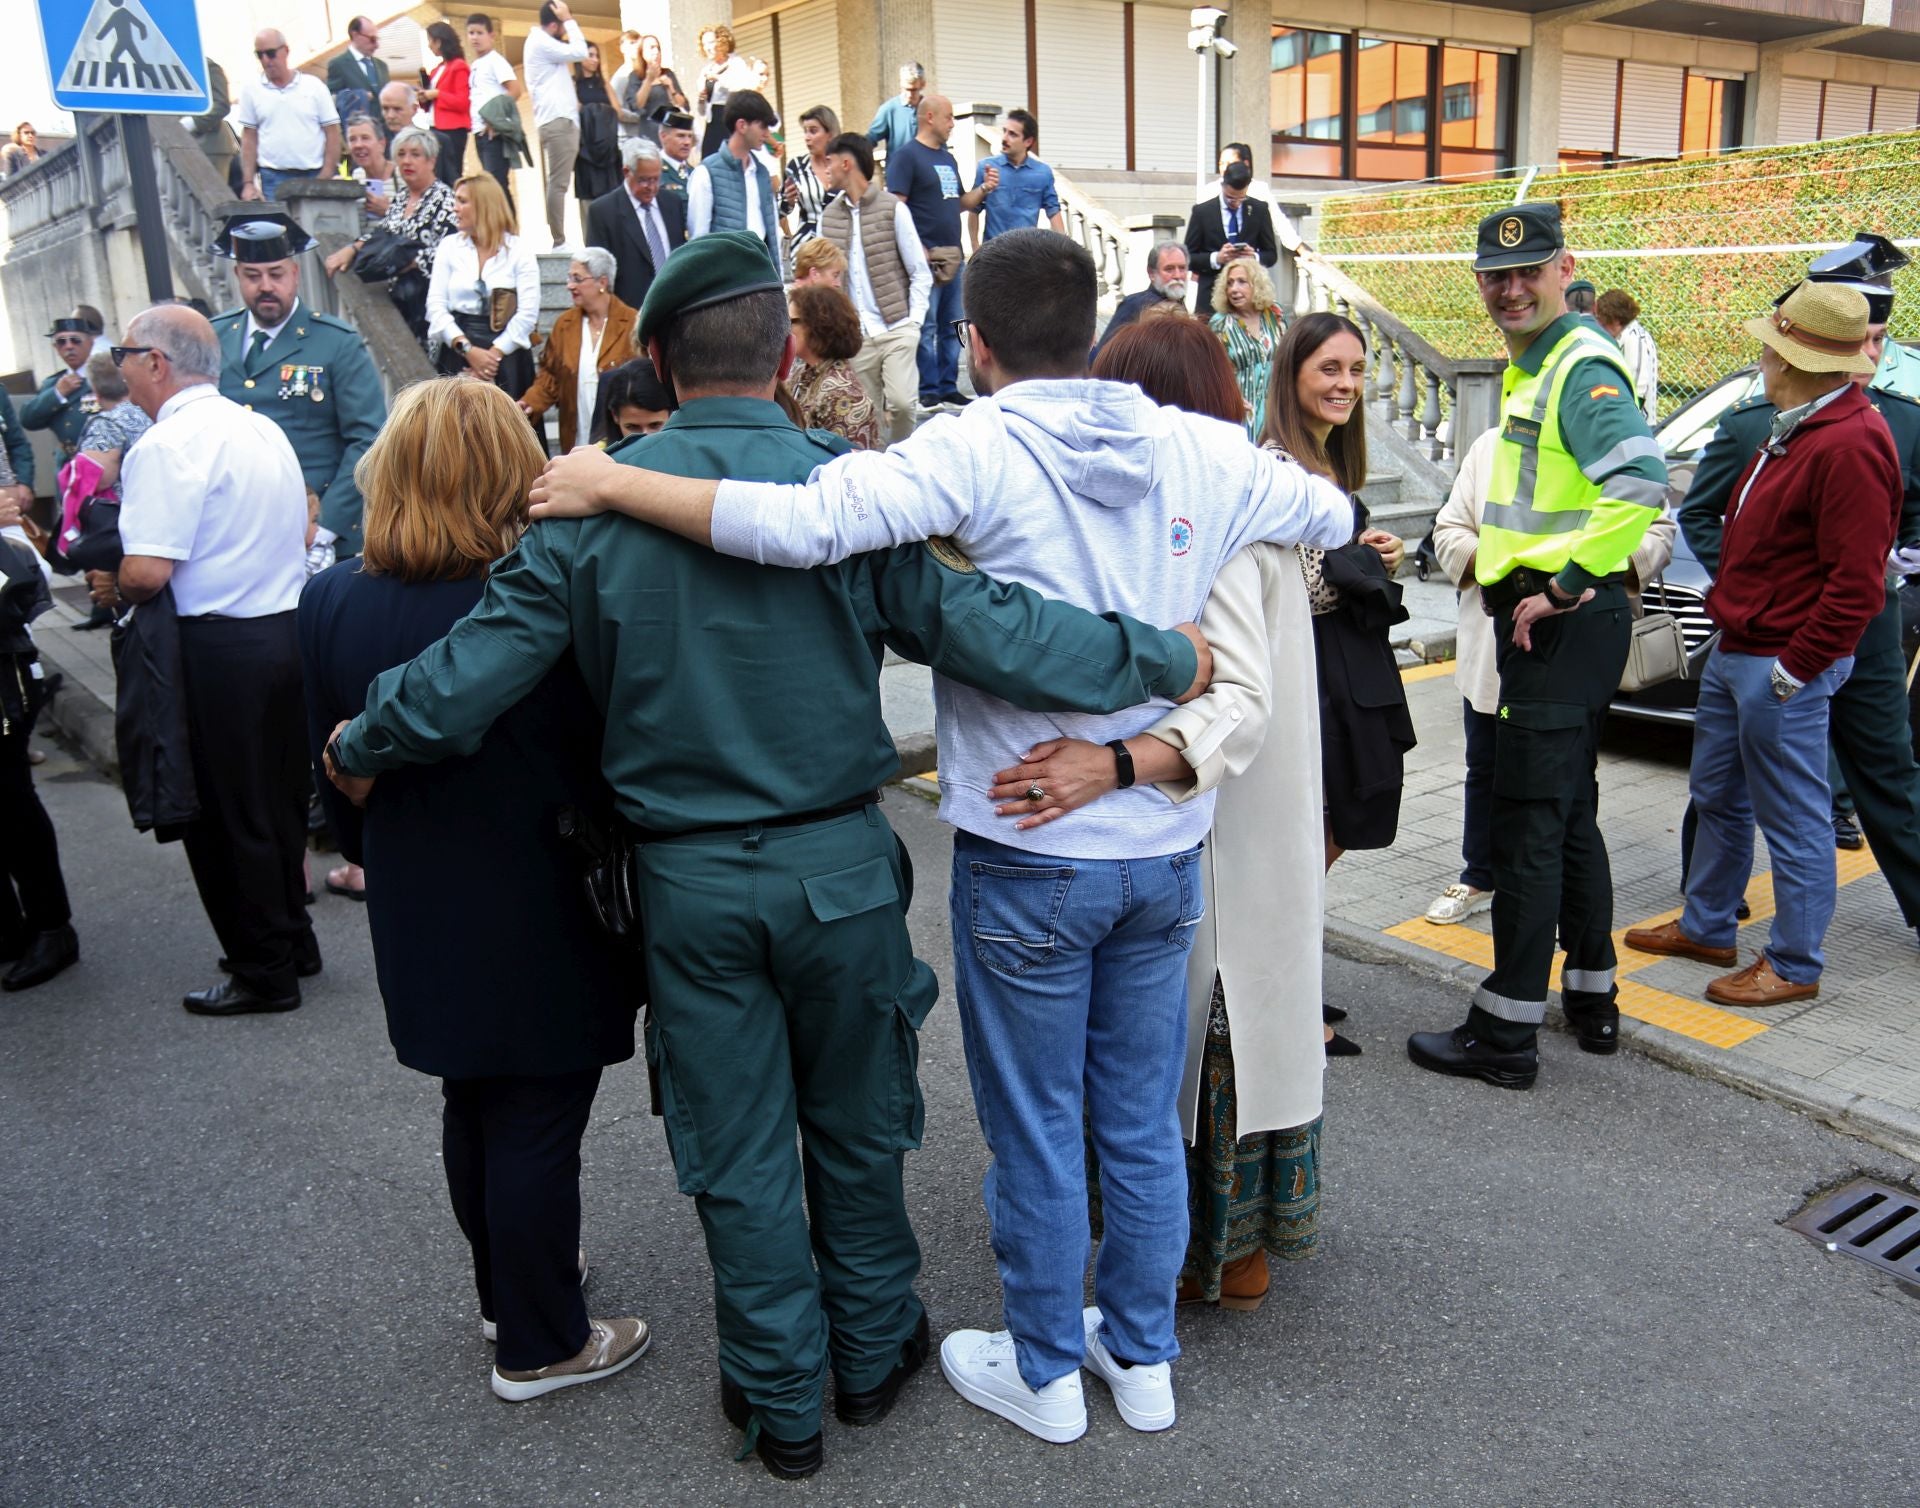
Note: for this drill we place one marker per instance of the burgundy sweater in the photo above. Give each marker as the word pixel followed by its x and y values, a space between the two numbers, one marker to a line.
pixel 1803 569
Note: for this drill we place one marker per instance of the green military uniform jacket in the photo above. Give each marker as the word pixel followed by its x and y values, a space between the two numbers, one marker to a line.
pixel 66 417
pixel 674 176
pixel 736 693
pixel 1703 511
pixel 13 439
pixel 316 381
pixel 1899 370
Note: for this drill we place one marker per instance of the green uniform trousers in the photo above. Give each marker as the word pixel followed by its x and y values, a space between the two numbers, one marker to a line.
pixel 1550 871
pixel 786 998
pixel 1872 746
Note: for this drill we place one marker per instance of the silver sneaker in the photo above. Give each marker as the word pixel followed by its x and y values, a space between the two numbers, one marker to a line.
pixel 612 1346
pixel 1457 903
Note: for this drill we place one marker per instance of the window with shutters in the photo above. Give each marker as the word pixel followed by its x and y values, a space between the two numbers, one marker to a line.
pixel 1613 111
pixel 1821 109
pixel 1342 105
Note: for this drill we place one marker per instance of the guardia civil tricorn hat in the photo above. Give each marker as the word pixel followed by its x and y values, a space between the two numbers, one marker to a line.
pixel 260 235
pixel 1817 328
pixel 1867 266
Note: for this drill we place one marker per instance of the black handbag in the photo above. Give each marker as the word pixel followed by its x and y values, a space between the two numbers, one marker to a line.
pixel 384 255
pixel 98 547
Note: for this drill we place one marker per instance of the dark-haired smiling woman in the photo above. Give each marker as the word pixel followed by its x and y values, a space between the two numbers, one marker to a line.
pixel 507 991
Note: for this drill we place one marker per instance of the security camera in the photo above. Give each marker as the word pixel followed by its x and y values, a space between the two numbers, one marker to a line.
pixel 1225 48
pixel 1209 16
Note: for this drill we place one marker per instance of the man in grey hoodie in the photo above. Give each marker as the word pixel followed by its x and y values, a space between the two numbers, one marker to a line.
pixel 1070 939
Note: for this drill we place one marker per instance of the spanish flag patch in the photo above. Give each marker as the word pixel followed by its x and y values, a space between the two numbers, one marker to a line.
pixel 1605 390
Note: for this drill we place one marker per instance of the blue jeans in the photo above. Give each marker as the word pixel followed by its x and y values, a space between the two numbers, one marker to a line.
pixel 939 346
pixel 272 178
pixel 1071 976
pixel 1476 838
pixel 1757 757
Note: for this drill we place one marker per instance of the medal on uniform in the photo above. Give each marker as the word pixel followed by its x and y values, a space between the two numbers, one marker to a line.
pixel 316 394
pixel 299 382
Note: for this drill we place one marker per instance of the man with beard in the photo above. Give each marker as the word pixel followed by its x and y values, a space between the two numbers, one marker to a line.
pixel 1166 284
pixel 306 371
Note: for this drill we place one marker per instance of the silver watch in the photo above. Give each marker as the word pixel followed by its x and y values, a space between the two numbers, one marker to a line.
pixel 1783 686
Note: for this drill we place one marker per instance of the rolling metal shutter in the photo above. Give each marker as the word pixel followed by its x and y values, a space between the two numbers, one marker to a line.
pixel 1588 94
pixel 980 52
pixel 1083 105
pixel 1849 110
pixel 1895 109
pixel 1650 100
pixel 1166 89
pixel 810 65
pixel 1799 110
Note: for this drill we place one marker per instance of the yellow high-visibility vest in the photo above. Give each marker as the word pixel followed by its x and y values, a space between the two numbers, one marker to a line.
pixel 1539 499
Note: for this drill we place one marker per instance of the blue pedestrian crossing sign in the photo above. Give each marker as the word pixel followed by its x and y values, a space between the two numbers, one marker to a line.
pixel 141 56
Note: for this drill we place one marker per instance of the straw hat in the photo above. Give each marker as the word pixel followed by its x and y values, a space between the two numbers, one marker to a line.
pixel 1819 327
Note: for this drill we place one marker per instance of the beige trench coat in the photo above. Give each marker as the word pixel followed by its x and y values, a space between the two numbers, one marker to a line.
pixel 1255 734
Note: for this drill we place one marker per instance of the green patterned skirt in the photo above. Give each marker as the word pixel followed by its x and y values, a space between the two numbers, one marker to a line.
pixel 1243 1193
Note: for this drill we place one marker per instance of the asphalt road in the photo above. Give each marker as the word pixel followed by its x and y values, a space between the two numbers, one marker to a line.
pixel 228 1274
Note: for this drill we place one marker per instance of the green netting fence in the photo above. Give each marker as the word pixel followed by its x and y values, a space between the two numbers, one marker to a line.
pixel 1701 244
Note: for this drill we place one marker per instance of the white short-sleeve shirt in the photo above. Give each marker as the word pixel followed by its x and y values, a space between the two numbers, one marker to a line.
pixel 292 122
pixel 488 78
pixel 216 489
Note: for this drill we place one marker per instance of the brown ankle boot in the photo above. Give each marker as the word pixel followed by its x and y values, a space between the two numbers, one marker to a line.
pixel 1243 1284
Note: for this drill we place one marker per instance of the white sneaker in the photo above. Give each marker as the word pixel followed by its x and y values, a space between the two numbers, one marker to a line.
pixel 491 1331
pixel 1143 1394
pixel 1457 903
pixel 982 1370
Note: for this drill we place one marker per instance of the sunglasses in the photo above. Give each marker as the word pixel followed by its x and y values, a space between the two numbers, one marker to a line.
pixel 121 353
pixel 268 52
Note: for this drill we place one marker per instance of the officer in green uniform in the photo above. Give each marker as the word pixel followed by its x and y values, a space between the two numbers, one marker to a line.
pixel 306 371
pixel 65 400
pixel 745 745
pixel 18 448
pixel 1869 729
pixel 676 136
pixel 1577 478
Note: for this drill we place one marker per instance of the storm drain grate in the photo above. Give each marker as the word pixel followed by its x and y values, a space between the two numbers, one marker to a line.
pixel 1874 1221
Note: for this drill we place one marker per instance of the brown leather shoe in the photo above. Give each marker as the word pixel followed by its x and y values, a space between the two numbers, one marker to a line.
pixel 1669 939
pixel 1757 984
pixel 1243 1284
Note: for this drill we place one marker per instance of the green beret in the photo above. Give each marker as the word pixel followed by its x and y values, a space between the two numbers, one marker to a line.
pixel 1580 285
pixel 727 264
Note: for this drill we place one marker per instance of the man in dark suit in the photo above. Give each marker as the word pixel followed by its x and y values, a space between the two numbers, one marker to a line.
pixel 637 223
pixel 1166 284
pixel 1233 225
pixel 357 67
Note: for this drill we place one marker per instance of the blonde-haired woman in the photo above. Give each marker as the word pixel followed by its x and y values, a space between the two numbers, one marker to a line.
pixel 1246 317
pixel 519 1025
pixel 484 298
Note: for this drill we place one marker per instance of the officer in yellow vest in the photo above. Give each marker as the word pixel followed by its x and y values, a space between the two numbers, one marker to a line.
pixel 1577 478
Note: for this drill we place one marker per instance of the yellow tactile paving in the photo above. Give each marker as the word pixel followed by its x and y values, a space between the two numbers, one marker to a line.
pixel 1690 1018
pixel 1426 672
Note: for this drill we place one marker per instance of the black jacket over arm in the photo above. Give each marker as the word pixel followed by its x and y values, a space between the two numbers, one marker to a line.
pixel 487 958
pixel 1207 233
pixel 612 224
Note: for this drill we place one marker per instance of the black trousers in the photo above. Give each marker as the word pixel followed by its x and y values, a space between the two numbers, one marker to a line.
pixel 512 1153
pixel 247 721
pixel 493 159
pixel 1551 877
pixel 452 159
pixel 33 896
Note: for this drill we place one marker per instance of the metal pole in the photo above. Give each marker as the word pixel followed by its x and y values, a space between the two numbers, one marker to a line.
pixel 1200 174
pixel 144 179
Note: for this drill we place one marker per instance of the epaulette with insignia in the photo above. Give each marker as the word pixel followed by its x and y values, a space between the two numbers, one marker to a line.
pixel 942 548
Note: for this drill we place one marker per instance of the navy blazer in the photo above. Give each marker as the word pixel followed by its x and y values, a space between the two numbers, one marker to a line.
pixel 487 958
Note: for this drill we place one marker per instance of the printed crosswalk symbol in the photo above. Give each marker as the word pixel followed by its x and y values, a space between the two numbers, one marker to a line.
pixel 121 51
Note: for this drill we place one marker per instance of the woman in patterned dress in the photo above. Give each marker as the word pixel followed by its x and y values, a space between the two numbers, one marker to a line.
pixel 1246 317
pixel 826 337
pixel 803 191
pixel 420 210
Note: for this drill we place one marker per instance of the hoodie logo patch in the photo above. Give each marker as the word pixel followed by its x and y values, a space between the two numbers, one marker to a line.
pixel 1182 536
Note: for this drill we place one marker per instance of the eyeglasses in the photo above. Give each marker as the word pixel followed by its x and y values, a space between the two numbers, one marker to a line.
pixel 963 332
pixel 121 353
pixel 269 52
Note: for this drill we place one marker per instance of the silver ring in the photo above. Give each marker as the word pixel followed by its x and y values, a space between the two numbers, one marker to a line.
pixel 1036 792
